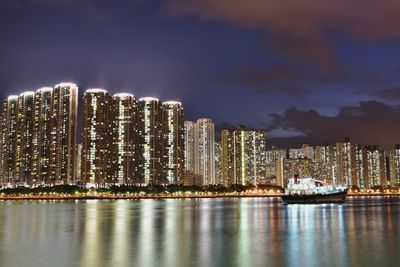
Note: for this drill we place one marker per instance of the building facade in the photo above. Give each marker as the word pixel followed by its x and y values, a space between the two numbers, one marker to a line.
pixel 243 156
pixel 151 130
pixel 205 150
pixel 98 163
pixel 174 135
pixel 127 150
pixel 39 136
pixel 189 146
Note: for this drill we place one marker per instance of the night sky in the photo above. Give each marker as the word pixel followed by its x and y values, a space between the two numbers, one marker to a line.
pixel 307 71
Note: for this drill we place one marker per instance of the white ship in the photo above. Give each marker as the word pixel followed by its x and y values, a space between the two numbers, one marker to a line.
pixel 310 191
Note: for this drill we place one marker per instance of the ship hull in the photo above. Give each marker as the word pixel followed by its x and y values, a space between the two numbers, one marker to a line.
pixel 338 197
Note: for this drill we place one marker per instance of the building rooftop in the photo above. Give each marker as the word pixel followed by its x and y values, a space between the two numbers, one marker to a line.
pixel 44 89
pixel 148 99
pixel 172 103
pixel 123 95
pixel 95 90
pixel 66 84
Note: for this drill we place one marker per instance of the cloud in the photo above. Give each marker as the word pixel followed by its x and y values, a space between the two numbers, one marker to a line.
pixel 371 122
pixel 388 93
pixel 298 28
pixel 277 80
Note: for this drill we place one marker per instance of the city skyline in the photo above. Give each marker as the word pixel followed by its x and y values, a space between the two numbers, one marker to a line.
pixel 126 140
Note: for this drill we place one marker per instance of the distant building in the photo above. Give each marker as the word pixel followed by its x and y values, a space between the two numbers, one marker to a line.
pixel 360 166
pixel 271 157
pixel 346 163
pixel 394 163
pixel 127 152
pixel 98 166
pixel 63 145
pixel 205 150
pixel 296 153
pixel 325 162
pixel 174 133
pixel 38 136
pixel 243 156
pixel 375 167
pixel 190 146
pixel 78 169
pixel 9 142
pixel 308 151
pixel 151 130
pixel 42 138
pixel 191 179
pixel 218 163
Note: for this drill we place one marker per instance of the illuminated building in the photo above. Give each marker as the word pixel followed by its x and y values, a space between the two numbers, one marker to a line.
pixel 308 151
pixel 9 142
pixel 127 139
pixel 346 165
pixel 325 163
pixel 394 165
pixel 24 145
pixel 218 163
pixel 152 133
pixel 243 156
pixel 97 139
pixel 64 133
pixel 173 156
pixel 374 166
pixel 279 171
pixel 296 153
pixel 271 157
pixel 78 169
pixel 42 137
pixel 359 157
pixel 189 146
pixel 205 150
pixel 273 154
pixel 39 136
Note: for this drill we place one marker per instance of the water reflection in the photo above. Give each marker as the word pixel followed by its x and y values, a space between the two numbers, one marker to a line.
pixel 206 232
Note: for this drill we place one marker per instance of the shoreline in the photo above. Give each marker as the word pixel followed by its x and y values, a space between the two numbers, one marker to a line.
pixel 112 197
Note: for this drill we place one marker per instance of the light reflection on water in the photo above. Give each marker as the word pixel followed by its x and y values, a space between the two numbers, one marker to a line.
pixel 207 232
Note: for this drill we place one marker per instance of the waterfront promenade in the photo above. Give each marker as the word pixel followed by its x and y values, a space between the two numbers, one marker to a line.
pixel 51 196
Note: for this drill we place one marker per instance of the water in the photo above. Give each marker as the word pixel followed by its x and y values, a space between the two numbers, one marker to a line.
pixel 207 232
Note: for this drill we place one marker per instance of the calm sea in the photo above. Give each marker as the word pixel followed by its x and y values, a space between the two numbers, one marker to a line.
pixel 208 232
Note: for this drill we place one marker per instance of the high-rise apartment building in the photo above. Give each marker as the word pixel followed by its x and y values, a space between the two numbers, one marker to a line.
pixel 374 166
pixel 308 151
pixel 271 157
pixel 346 163
pixel 218 163
pixel 127 150
pixel 97 138
pixel 42 138
pixel 243 156
pixel 205 150
pixel 64 133
pixel 325 163
pixel 394 165
pixel 190 146
pixel 24 146
pixel 39 136
pixel 173 134
pixel 9 140
pixel 151 130
pixel 360 166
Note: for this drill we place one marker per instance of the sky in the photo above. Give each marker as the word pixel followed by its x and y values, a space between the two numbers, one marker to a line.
pixel 306 71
